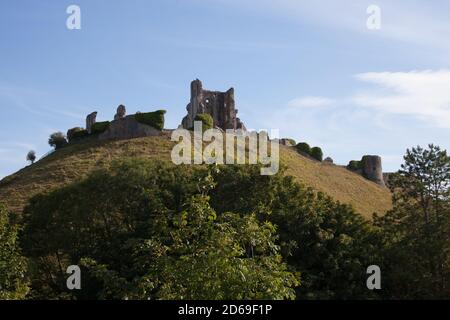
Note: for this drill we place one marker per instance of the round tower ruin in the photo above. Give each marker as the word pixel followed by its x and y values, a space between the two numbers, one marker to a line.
pixel 372 169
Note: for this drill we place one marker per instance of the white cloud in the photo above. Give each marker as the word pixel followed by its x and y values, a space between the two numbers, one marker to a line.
pixel 310 102
pixel 422 94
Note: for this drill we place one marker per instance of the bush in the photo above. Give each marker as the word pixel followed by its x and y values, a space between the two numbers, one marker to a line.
pixel 99 127
pixel 292 141
pixel 31 156
pixel 13 266
pixel 57 140
pixel 317 153
pixel 206 119
pixel 76 134
pixel 154 119
pixel 144 231
pixel 303 147
pixel 354 165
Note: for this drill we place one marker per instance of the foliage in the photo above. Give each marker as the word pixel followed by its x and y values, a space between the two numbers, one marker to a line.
pixel 145 230
pixel 100 127
pixel 414 237
pixel 78 160
pixel 77 133
pixel 326 241
pixel 303 147
pixel 317 153
pixel 13 266
pixel 154 119
pixel 206 119
pixel 292 141
pixel 354 165
pixel 57 140
pixel 31 156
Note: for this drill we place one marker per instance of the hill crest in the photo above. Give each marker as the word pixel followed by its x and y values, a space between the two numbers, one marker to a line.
pixel 76 161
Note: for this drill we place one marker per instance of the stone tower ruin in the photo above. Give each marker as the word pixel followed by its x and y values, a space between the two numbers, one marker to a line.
pixel 372 170
pixel 220 105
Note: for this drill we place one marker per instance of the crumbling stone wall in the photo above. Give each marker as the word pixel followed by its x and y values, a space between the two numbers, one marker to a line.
pixel 372 169
pixel 220 105
pixel 128 128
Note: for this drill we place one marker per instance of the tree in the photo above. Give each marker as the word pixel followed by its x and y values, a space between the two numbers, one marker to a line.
pixel 327 242
pixel 303 147
pixel 317 153
pixel 354 165
pixel 31 156
pixel 206 119
pixel 12 265
pixel 147 230
pixel 57 140
pixel 196 254
pixel 415 234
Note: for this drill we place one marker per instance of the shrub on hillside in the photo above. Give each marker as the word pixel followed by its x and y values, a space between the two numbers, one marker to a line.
pixel 206 119
pixel 303 147
pixel 154 119
pixel 13 265
pixel 292 141
pixel 31 156
pixel 57 140
pixel 76 134
pixel 100 127
pixel 317 153
pixel 354 165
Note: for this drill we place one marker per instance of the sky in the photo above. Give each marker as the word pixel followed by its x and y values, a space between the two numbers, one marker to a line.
pixel 312 69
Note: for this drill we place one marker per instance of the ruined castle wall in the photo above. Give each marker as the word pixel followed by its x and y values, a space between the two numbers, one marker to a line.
pixel 128 128
pixel 220 105
pixel 372 169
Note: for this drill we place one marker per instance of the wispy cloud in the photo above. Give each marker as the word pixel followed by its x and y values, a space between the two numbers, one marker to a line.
pixel 421 94
pixel 25 99
pixel 389 112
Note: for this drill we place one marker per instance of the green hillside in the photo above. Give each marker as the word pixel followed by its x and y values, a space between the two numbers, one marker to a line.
pixel 76 161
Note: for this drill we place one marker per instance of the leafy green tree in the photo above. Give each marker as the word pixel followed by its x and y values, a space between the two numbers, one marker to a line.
pixel 57 140
pixel 303 147
pixel 317 153
pixel 415 234
pixel 327 242
pixel 206 119
pixel 197 255
pixel 146 230
pixel 354 165
pixel 13 284
pixel 31 156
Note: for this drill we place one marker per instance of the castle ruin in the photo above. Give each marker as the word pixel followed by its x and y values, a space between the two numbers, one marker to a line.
pixel 372 169
pixel 219 105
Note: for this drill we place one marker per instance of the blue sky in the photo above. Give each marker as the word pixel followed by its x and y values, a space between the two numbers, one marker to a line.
pixel 309 68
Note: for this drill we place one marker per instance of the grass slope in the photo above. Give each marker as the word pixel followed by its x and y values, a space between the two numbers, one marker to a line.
pixel 76 161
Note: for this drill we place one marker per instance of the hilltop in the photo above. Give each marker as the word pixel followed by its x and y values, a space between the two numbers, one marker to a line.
pixel 75 161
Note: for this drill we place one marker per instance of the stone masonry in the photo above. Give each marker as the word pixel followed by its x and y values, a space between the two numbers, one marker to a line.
pixel 220 105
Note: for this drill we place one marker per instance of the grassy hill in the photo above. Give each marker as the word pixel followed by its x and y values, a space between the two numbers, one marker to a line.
pixel 76 161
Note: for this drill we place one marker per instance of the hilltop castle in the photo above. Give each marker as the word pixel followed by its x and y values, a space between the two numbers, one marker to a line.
pixel 220 106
